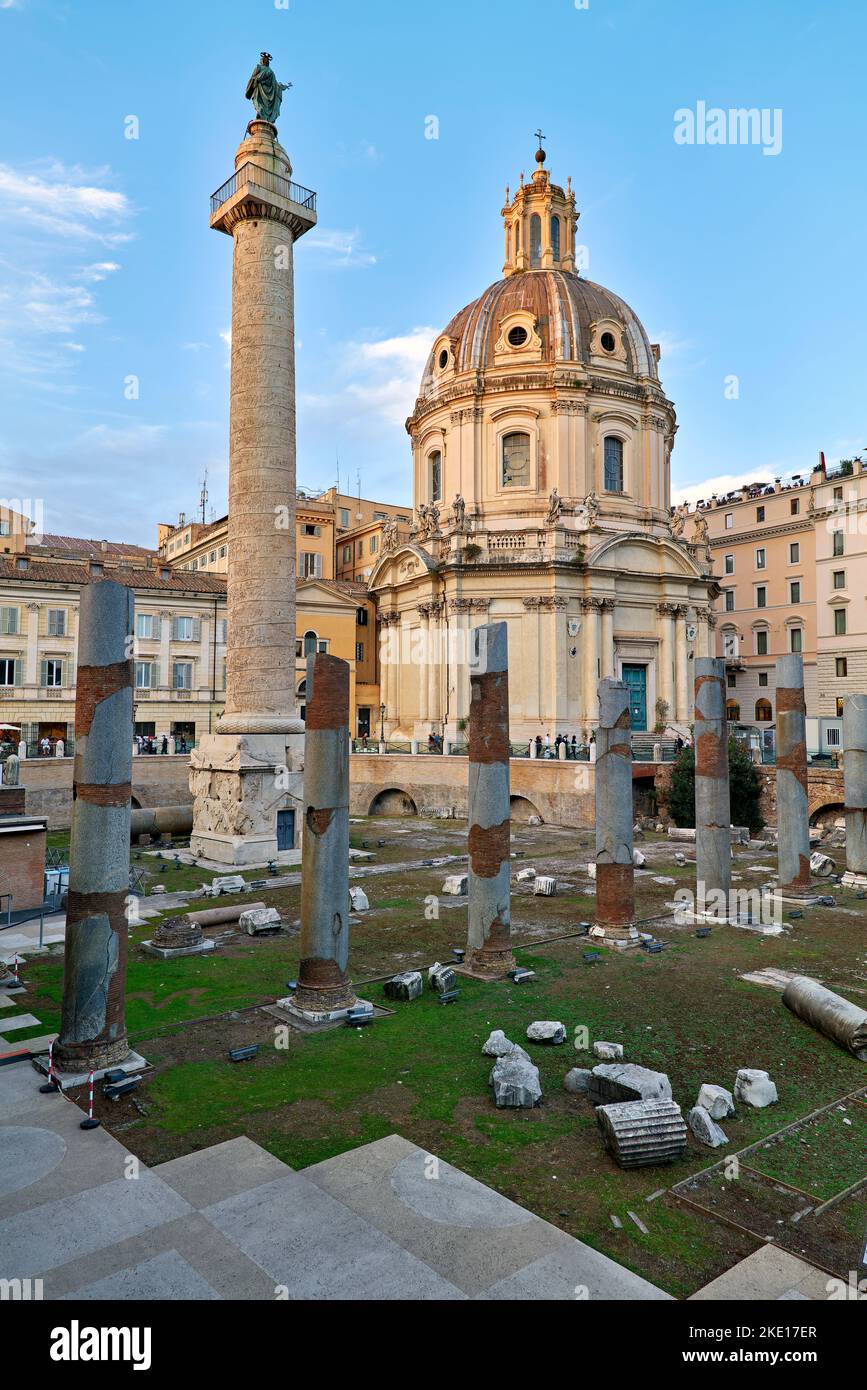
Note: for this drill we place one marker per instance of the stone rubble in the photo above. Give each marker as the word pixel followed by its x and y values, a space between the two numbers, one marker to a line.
pixel 755 1088
pixel 547 1032
pixel 716 1100
pixel 608 1051
pixel 706 1129
pixel 408 985
pixel 515 1081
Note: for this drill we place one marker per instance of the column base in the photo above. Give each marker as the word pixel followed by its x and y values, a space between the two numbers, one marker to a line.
pixel 853 880
pixel 77 1075
pixel 317 1016
pixel 618 938
pixel 240 782
pixel 489 965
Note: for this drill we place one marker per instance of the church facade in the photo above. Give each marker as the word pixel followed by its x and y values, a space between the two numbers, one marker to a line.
pixel 541 442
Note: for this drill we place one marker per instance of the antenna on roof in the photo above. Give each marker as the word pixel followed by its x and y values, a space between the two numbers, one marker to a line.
pixel 358 513
pixel 203 498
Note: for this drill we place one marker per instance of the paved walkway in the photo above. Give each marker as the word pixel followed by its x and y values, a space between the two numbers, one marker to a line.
pixel 385 1221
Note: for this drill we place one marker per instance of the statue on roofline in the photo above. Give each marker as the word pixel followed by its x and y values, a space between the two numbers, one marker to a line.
pixel 265 92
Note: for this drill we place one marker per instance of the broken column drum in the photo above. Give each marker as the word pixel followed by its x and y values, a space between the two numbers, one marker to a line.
pixel 488 805
pixel 855 783
pixel 793 819
pixel 639 1133
pixel 323 983
pixel 713 854
pixel 93 1028
pixel 615 873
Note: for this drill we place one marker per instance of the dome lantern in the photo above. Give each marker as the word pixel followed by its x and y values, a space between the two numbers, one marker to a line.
pixel 540 223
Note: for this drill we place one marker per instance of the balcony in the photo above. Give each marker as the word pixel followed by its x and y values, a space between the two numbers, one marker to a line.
pixel 251 183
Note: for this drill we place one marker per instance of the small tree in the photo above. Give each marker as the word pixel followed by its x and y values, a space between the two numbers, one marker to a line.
pixel 745 789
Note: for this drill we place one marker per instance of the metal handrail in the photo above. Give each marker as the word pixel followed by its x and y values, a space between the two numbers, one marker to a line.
pixel 254 173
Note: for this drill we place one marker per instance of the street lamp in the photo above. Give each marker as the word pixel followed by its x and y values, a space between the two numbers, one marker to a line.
pixel 382 723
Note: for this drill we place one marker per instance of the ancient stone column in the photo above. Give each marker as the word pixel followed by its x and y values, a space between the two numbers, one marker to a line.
pixel 793 820
pixel 713 852
pixel 93 1029
pixel 615 874
pixel 488 807
pixel 855 787
pixel 248 772
pixel 324 988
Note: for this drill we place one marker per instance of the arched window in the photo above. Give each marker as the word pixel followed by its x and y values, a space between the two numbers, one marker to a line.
pixel 733 711
pixel 731 643
pixel 516 460
pixel 535 240
pixel 435 475
pixel 613 461
pixel 302 689
pixel 555 238
pixel 517 236
pixel 310 640
pixel 764 712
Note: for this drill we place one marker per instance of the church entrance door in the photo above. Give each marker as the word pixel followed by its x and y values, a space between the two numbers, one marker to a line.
pixel 636 678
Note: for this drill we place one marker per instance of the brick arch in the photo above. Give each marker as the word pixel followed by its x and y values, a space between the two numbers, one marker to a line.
pixel 392 801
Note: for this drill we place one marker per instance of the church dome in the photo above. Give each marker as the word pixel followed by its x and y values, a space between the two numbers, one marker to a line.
pixel 565 309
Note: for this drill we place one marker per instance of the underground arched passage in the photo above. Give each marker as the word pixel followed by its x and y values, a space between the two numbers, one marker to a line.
pixel 828 813
pixel 521 810
pixel 393 802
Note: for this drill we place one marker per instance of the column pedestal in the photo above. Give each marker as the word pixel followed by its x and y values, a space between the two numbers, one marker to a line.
pixel 239 784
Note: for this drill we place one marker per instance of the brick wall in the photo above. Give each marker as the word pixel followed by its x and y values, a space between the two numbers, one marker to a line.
pixel 156 781
pixel 22 864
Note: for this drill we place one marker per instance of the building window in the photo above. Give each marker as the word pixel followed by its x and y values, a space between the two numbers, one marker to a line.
pixel 731 645
pixel 761 596
pixel 8 670
pixel 839 579
pixel 795 591
pixel 51 673
pixel 762 642
pixel 730 520
pixel 764 712
pixel 144 625
pixel 796 639
pixel 732 680
pixel 186 629
pixel 763 678
pixel 344 516
pixel 359 651
pixel 839 622
pixel 832 736
pixel 838 542
pixel 435 475
pixel 144 675
pixel 760 513
pixel 761 559
pixel 555 238
pixel 795 553
pixel 322 645
pixel 222 552
pixel 182 675
pixel 212 558
pixel 310 640
pixel 361 617
pixel 535 241
pixel 733 711
pixel 794 505
pixel 9 622
pixel 613 463
pixel 730 564
pixel 374 542
pixel 730 600
pixel 379 516
pixel 311 565
pixel 841 667
pixel 57 622
pixel 347 554
pixel 516 460
pixel 838 494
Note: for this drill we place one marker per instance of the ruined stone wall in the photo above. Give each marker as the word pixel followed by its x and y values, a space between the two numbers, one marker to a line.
pixel 156 781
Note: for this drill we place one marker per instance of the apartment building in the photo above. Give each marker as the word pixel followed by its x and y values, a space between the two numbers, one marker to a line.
pixel 791 563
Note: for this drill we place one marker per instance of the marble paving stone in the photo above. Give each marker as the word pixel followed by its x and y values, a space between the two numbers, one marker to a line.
pixel 19 1086
pixel 21 1021
pixel 27 1154
pixel 318 1248
pixel 470 1234
pixel 566 1273
pixel 211 1175
pixel 166 1276
pixel 769 1273
pixel 43 1237
pixel 91 1160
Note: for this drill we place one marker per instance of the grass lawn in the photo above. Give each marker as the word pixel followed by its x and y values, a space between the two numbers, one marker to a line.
pixel 420 1072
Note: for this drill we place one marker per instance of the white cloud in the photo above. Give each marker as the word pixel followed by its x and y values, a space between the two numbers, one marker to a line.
pixel 99 271
pixel 62 199
pixel 378 381
pixel 722 484
pixel 339 248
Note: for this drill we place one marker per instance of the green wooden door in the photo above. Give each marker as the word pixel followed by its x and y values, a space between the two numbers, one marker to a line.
pixel 636 678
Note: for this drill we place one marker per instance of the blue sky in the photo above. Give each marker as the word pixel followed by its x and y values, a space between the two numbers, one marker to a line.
pixel 741 264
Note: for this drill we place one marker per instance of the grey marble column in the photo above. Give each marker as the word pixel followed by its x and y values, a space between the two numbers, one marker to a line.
pixel 615 874
pixel 793 819
pixel 855 784
pixel 488 813
pixel 93 1028
pixel 324 986
pixel 713 852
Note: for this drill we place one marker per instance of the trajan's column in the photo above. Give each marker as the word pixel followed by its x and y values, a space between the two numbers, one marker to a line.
pixel 246 779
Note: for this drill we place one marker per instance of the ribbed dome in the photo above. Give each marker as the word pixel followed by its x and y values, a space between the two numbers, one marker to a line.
pixel 564 305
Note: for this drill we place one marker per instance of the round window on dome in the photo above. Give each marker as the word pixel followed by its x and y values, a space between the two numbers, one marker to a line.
pixel 443 359
pixel 517 336
pixel 608 341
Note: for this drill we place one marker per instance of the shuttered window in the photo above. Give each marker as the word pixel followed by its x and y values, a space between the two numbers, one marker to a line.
pixel 8 621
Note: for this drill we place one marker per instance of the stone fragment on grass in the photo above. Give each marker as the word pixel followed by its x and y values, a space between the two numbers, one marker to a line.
pixel 358 900
pixel 408 985
pixel 716 1100
pixel 754 1087
pixel 455 886
pixel 608 1051
pixel 497 1044
pixel 705 1128
pixel 515 1081
pixel 258 920
pixel 441 978
pixel 548 1032
pixel 627 1081
pixel 544 886
pixel 577 1081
